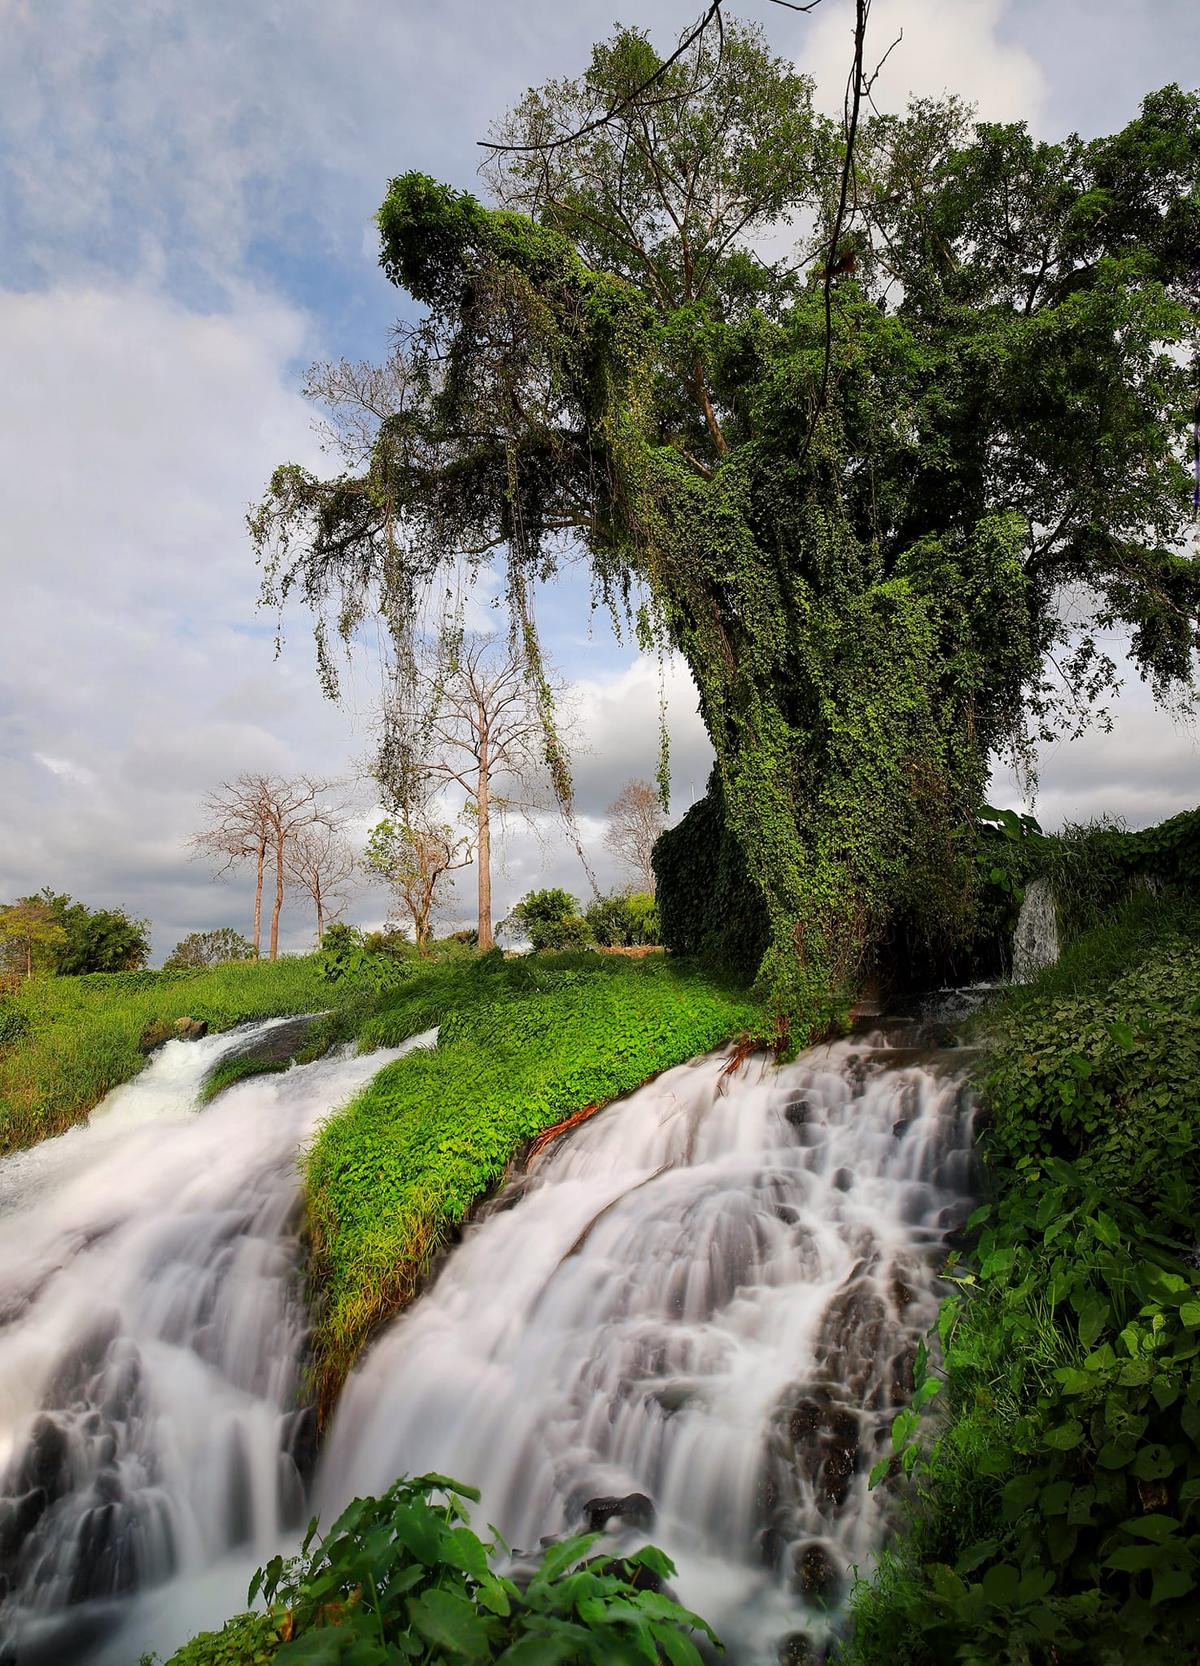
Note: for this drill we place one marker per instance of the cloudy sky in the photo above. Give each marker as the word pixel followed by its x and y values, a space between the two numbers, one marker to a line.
pixel 186 192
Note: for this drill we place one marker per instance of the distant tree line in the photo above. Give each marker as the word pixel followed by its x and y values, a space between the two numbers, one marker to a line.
pixel 50 933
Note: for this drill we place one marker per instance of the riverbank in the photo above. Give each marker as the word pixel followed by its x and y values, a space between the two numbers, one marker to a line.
pixel 522 1045
pixel 1055 1513
pixel 66 1042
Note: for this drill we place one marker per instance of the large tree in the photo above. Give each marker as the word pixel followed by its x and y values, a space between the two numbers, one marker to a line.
pixel 885 501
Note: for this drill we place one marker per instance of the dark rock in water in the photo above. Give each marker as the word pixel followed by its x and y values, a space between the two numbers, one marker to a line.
pixel 936 1035
pixel 901 1128
pixel 798 1649
pixel 279 1045
pixel 816 1575
pixel 798 1112
pixel 635 1510
pixel 843 1180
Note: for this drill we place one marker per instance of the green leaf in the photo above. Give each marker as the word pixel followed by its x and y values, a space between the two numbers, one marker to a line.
pixel 560 1557
pixel 450 1622
pixel 1153 1463
pixel 1170 1584
pixel 1001 1584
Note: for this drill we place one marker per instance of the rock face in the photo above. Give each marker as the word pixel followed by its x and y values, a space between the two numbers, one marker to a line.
pixel 183 1029
pixel 278 1045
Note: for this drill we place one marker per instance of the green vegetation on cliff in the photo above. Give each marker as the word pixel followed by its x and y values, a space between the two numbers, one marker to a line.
pixel 522 1045
pixel 1057 1516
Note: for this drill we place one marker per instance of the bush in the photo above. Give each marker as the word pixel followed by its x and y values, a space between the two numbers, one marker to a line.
pixel 403 1578
pixel 209 948
pixel 1059 1517
pixel 551 919
pixel 625 921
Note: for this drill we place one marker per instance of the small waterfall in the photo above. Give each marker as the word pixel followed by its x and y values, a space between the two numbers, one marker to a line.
pixel 152 1338
pixel 1035 941
pixel 699 1310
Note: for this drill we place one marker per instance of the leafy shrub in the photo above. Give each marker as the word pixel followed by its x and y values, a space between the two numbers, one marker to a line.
pixel 348 959
pixel 13 1023
pixel 625 921
pixel 209 948
pixel 551 919
pixel 1060 1513
pixel 403 1578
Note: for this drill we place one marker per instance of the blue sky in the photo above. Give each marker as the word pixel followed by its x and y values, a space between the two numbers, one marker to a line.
pixel 186 194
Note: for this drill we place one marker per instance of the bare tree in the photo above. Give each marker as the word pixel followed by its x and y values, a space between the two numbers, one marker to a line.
pixel 257 817
pixel 321 862
pixel 635 819
pixel 239 831
pixel 414 855
pixel 470 717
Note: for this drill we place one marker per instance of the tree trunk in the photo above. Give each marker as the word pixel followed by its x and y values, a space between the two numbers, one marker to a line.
pixel 278 908
pixel 320 916
pixel 258 891
pixel 484 856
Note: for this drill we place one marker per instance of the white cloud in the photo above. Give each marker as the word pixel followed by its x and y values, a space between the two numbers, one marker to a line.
pixel 961 47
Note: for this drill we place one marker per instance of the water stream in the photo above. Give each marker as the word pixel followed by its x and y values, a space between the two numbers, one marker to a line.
pixel 707 1296
pixel 152 1333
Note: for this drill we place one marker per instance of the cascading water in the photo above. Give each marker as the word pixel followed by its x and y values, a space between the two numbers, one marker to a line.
pixel 709 1297
pixel 152 1335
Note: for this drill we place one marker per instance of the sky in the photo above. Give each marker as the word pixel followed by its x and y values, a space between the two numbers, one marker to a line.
pixel 186 193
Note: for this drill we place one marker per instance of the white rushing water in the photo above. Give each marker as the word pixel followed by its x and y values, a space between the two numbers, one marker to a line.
pixel 152 1333
pixel 709 1296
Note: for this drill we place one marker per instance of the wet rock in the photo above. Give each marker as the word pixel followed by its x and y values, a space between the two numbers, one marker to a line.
pixel 279 1045
pixel 798 1112
pixel 901 1128
pixel 798 1649
pixel 154 1036
pixel 672 1397
pixel 843 1180
pixel 936 1035
pixel 816 1576
pixel 190 1029
pixel 635 1510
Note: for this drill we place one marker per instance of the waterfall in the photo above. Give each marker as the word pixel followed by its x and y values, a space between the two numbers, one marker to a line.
pixel 152 1337
pixel 699 1312
pixel 692 1320
pixel 1035 941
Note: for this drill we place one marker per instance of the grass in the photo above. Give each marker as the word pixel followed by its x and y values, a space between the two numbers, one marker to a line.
pixel 65 1042
pixel 523 1044
pixel 230 1071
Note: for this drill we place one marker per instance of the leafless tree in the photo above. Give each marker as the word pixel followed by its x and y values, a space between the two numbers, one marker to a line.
pixel 321 863
pixel 257 817
pixel 469 717
pixel 635 819
pixel 239 831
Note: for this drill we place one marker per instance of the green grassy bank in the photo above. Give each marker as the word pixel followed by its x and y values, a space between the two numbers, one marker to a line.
pixel 64 1042
pixel 1056 1515
pixel 523 1044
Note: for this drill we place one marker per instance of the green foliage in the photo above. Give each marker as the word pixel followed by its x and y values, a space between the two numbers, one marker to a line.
pixel 208 948
pixel 864 569
pixel 625 920
pixel 93 939
pixel 523 1043
pixel 1059 1515
pixel 76 1038
pixel 551 919
pixel 403 1578
pixel 230 1071
pixel 347 959
pixel 708 905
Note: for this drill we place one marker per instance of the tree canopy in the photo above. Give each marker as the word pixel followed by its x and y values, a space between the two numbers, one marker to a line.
pixel 885 551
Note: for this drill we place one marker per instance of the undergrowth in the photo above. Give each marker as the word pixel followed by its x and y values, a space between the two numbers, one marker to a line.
pixel 1057 1517
pixel 522 1044
pixel 403 1578
pixel 65 1042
